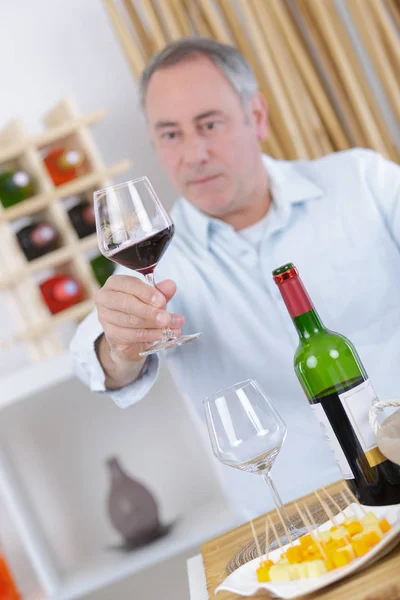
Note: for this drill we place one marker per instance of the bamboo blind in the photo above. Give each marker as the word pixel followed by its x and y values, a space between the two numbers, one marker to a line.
pixel 303 57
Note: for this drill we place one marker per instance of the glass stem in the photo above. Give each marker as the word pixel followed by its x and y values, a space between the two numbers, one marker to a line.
pixel 167 333
pixel 278 503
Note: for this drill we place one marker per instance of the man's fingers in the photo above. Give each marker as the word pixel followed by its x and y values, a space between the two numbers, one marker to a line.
pixel 132 286
pixel 133 321
pixel 121 336
pixel 168 288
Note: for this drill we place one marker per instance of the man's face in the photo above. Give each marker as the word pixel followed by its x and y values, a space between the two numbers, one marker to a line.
pixel 205 140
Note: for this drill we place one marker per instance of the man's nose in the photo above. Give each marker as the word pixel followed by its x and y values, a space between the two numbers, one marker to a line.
pixel 195 150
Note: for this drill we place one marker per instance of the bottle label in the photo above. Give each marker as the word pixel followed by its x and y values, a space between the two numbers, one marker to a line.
pixel 357 403
pixel 332 440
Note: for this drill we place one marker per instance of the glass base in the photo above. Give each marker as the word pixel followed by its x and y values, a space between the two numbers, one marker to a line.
pixel 168 344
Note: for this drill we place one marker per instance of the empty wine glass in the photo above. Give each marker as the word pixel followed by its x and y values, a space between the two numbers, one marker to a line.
pixel 247 433
pixel 134 230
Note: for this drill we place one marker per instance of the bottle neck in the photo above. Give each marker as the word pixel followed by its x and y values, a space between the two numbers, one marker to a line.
pixel 116 471
pixel 308 324
pixel 300 307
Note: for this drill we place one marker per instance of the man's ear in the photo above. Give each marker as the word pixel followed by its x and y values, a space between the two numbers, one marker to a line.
pixel 259 115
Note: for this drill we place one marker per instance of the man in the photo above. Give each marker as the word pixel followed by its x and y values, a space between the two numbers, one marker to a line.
pixel 241 215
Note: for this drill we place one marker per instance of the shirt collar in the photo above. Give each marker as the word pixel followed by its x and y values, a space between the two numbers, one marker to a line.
pixel 289 185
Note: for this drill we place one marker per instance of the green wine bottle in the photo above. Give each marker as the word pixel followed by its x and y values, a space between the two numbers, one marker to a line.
pixel 15 186
pixel 102 268
pixel 337 386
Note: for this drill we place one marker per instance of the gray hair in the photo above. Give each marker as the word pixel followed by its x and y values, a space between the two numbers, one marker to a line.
pixel 226 58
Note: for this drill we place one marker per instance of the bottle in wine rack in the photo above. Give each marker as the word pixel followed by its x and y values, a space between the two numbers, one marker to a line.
pixel 337 386
pixel 60 292
pixel 83 219
pixel 64 165
pixel 102 268
pixel 8 588
pixel 36 239
pixel 15 186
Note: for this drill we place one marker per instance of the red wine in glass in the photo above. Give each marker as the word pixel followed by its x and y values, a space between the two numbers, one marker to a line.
pixel 143 256
pixel 134 230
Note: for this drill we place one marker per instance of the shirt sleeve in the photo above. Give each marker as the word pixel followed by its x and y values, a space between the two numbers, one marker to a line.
pixel 89 370
pixel 383 178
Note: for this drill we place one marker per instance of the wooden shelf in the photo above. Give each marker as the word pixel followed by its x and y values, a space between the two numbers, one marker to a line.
pixel 77 186
pixel 51 260
pixel 75 313
pixel 34 325
pixel 196 527
pixel 52 135
pixel 35 378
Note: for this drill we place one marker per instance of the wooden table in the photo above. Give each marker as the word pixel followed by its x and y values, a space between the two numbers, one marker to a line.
pixel 381 581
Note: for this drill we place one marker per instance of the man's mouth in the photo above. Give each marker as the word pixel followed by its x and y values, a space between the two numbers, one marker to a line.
pixel 202 180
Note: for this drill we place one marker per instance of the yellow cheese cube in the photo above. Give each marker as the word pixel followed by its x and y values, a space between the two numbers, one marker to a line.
pixel 305 540
pixel 324 537
pixel 341 532
pixel 350 550
pixel 372 537
pixel 370 519
pixel 341 557
pixel 279 573
pixel 384 526
pixel 374 529
pixel 360 547
pixel 302 571
pixel 354 527
pixel 294 555
pixel 316 568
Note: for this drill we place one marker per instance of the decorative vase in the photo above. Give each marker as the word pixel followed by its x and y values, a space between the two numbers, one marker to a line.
pixel 132 509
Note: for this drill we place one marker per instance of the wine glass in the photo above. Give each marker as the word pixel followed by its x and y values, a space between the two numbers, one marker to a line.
pixel 134 230
pixel 247 433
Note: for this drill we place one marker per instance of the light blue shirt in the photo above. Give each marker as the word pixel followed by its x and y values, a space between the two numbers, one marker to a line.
pixel 338 219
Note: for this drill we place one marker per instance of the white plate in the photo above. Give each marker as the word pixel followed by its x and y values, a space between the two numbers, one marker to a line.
pixel 244 581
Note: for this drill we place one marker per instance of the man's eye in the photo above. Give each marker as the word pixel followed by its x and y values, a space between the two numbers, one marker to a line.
pixel 169 135
pixel 211 126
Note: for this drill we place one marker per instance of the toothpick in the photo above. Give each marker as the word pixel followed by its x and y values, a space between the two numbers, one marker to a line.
pixel 256 539
pixel 266 539
pixel 278 539
pixel 346 501
pixel 327 509
pixel 331 498
pixel 309 526
pixel 289 537
pixel 352 496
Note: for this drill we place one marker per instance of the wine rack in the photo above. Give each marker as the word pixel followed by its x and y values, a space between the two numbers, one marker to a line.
pixel 27 322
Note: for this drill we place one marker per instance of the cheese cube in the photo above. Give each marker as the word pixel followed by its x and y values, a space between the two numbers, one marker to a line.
pixel 354 527
pixel 324 537
pixel 370 519
pixel 316 568
pixel 372 537
pixel 302 571
pixel 294 555
pixel 360 547
pixel 384 526
pixel 341 557
pixel 341 532
pixel 279 573
pixel 305 540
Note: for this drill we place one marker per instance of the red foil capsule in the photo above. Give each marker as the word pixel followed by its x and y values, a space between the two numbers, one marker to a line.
pixel 293 292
